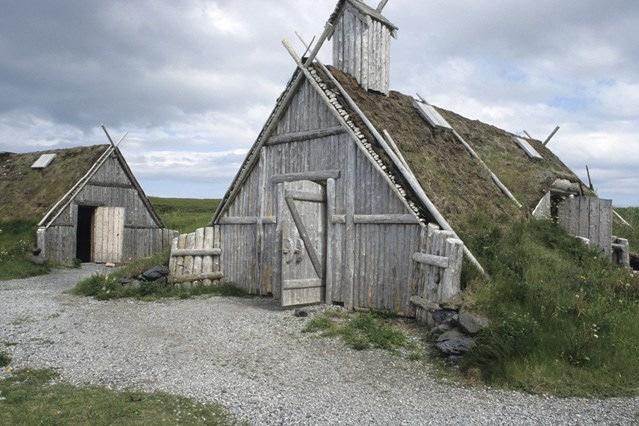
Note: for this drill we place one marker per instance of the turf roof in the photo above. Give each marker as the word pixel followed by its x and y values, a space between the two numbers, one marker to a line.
pixel 528 179
pixel 456 183
pixel 26 193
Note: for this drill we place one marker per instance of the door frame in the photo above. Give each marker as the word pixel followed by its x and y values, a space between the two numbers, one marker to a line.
pixel 329 199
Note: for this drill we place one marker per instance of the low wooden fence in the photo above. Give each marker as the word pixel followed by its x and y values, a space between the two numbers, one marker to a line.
pixel 437 267
pixel 195 257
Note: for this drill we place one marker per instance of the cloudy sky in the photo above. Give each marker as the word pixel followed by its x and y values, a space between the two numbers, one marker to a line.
pixel 192 81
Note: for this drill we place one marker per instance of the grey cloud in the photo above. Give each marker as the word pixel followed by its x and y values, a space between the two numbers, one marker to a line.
pixel 201 76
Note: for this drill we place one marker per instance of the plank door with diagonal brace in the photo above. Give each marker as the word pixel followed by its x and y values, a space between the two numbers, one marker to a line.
pixel 303 243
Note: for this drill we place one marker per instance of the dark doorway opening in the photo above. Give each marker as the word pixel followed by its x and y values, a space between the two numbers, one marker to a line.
pixel 84 233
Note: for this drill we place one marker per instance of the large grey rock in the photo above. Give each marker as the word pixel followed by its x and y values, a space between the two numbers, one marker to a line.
pixel 444 316
pixel 471 324
pixel 454 342
pixel 156 273
pixel 38 260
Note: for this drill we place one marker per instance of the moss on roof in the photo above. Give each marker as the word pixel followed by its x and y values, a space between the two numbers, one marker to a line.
pixel 456 183
pixel 26 193
pixel 528 179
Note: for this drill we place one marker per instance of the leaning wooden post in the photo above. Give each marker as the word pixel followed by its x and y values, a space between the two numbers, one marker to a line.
pixel 554 132
pixel 450 285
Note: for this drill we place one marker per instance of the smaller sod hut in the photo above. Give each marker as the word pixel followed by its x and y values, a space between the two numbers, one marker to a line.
pixel 88 202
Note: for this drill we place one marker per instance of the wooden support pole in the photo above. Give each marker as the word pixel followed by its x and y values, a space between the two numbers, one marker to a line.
pixel 592 188
pixel 381 5
pixel 307 46
pixel 493 176
pixel 328 31
pixel 528 135
pixel 622 220
pixel 554 132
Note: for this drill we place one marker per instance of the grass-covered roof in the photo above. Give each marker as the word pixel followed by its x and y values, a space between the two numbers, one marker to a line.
pixel 26 193
pixel 457 183
pixel 528 179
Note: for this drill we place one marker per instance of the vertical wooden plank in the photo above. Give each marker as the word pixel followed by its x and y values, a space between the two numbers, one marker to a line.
pixel 450 285
pixel 262 276
pixel 605 228
pixel 198 244
pixel 330 235
pixel 181 259
pixel 119 236
pixel 188 260
pixel 349 228
pixel 172 259
pixel 281 206
pixel 217 242
pixel 207 261
pixel 594 218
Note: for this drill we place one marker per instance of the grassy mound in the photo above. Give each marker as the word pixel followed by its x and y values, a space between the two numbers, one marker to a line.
pixel 17 239
pixel 563 320
pixel 108 286
pixel 184 214
pixel 31 398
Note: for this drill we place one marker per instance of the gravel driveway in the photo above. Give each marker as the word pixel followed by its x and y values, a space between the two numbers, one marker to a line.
pixel 250 356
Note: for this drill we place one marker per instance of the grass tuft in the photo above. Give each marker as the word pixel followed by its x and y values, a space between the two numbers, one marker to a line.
pixel 35 397
pixel 563 319
pixel 360 331
pixel 108 286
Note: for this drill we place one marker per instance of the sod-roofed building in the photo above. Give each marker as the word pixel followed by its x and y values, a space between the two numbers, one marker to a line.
pixel 88 203
pixel 334 199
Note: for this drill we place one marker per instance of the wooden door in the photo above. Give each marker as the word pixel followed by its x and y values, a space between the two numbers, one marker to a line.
pixel 108 234
pixel 303 213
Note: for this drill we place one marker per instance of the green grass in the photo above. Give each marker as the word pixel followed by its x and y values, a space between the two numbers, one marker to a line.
pixel 361 331
pixel 108 286
pixel 17 239
pixel 563 320
pixel 631 214
pixel 184 214
pixel 35 397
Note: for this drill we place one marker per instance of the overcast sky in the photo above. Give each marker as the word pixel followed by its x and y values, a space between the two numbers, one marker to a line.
pixel 193 81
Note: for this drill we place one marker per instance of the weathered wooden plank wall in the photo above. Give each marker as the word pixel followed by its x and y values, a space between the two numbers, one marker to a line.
pixel 588 217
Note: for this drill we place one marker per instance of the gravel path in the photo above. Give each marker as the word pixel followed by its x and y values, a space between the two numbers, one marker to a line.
pixel 250 356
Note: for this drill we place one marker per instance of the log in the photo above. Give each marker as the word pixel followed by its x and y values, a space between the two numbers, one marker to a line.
pixel 431 259
pixel 196 252
pixel 213 276
pixel 306 136
pixel 321 175
pixel 400 219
